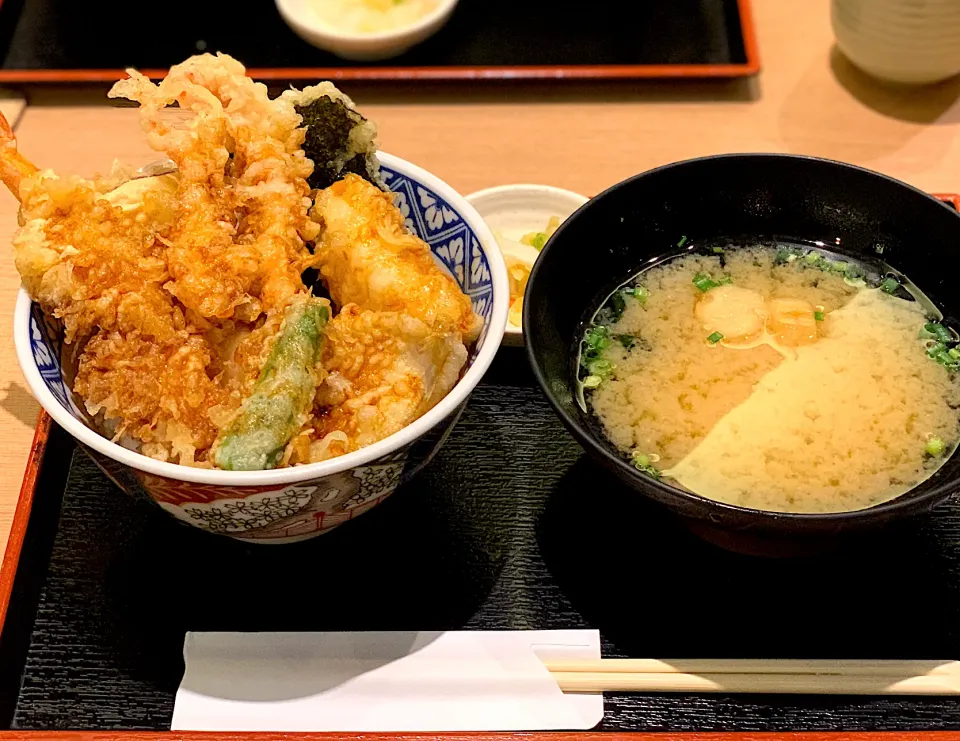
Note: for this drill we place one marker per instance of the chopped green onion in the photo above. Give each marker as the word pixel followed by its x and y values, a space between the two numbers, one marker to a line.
pixel 643 463
pixel 597 340
pixel 538 240
pixel 717 250
pixel 935 447
pixel 812 258
pixel 818 315
pixel 714 338
pixel 725 281
pixel 789 254
pixel 854 282
pixel 854 271
pixel 591 382
pixel 939 331
pixel 641 294
pixel 948 357
pixel 683 241
pixel 600 367
pixel 704 282
pixel 889 285
pixel 839 266
pixel 935 349
pixel 595 334
pixel 943 357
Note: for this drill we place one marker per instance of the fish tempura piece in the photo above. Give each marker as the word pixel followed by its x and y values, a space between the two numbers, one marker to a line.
pixel 367 257
pixel 385 370
pixel 281 398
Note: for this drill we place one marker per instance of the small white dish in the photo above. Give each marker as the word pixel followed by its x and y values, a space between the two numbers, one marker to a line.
pixel 365 47
pixel 511 211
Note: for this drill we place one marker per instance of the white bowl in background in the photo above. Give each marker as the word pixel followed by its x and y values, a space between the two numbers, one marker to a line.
pixel 515 210
pixel 362 46
pixel 290 504
pixel 905 41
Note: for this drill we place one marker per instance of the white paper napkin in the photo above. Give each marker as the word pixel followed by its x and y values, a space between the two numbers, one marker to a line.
pixel 398 681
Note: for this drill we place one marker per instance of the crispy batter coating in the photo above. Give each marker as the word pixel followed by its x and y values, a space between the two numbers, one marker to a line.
pixel 368 258
pixel 175 284
pixel 385 369
pixel 160 391
pixel 93 264
pixel 172 289
pixel 238 246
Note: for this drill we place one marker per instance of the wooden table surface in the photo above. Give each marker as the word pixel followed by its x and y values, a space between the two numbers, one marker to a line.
pixel 808 100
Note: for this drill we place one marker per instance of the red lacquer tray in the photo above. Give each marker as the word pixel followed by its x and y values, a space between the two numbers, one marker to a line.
pixel 484 40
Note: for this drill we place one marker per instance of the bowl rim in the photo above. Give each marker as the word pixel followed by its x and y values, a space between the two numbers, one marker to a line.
pixel 296 474
pixel 553 190
pixel 677 497
pixel 329 33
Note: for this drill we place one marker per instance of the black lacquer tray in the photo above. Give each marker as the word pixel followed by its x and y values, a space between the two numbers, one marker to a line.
pixel 510 527
pixel 50 41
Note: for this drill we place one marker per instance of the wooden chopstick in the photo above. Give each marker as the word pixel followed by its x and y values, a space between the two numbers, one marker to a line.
pixel 845 667
pixel 819 677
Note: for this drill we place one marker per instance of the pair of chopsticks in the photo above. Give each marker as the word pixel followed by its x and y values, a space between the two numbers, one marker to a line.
pixel 782 676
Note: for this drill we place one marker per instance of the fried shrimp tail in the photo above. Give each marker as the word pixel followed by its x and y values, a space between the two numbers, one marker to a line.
pixel 277 408
pixel 14 167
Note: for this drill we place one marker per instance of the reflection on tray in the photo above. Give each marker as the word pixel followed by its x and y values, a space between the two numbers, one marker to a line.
pixel 49 35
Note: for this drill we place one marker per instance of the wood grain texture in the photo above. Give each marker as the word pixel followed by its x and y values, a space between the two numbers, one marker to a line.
pixel 583 137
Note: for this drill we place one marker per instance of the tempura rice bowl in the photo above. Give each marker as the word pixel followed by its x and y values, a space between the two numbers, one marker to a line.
pixel 291 504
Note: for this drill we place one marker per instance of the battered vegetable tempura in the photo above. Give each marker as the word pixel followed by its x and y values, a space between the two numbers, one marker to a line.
pixel 181 295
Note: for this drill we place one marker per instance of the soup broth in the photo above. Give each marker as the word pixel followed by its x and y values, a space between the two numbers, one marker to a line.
pixel 775 379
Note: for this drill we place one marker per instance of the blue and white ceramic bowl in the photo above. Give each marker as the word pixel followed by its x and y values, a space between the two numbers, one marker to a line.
pixel 291 504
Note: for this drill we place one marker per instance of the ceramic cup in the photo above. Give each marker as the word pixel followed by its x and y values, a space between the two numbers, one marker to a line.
pixel 904 41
